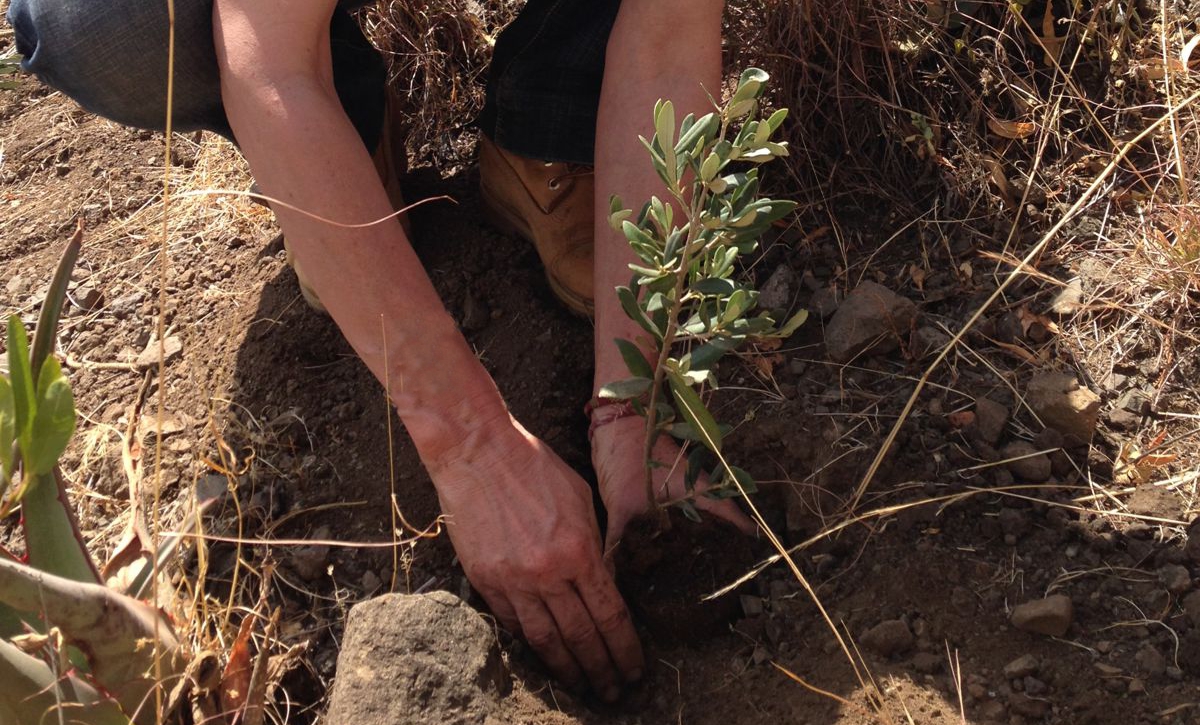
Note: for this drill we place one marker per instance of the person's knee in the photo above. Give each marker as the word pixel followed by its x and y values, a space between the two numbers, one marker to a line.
pixel 111 57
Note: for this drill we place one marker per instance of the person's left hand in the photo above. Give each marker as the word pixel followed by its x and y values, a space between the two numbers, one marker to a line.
pixel 618 454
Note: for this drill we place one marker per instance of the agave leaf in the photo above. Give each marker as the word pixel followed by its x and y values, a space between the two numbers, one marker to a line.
pixel 121 636
pixel 168 548
pixel 8 433
pixel 30 692
pixel 21 379
pixel 51 532
pixel 53 421
pixel 47 326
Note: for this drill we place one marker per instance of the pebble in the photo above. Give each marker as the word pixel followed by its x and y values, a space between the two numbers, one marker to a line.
pixel 927 663
pixel 310 561
pixel 1051 616
pixel 86 297
pixel 1175 578
pixel 172 347
pixel 1069 299
pixel 927 341
pixel 1022 666
pixel 824 302
pixel 990 419
pixel 1029 465
pixel 1151 661
pixel 1191 607
pixel 869 321
pixel 1060 401
pixel 1137 687
pixel 888 638
pixel 779 289
pixel 1032 707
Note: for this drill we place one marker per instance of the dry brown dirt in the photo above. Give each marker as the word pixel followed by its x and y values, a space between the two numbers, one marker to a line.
pixel 267 396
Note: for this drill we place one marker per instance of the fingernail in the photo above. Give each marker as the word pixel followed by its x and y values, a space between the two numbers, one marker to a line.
pixel 612 694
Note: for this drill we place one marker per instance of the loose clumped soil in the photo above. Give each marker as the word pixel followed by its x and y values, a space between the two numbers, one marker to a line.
pixel 977 508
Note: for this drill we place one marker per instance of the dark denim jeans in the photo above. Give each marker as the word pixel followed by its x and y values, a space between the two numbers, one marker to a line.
pixel 111 57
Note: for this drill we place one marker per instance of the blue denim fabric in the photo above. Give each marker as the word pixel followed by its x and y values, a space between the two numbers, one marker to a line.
pixel 111 57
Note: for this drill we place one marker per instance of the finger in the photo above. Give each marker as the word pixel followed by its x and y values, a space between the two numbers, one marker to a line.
pixel 542 634
pixel 502 609
pixel 727 510
pixel 612 620
pixel 583 640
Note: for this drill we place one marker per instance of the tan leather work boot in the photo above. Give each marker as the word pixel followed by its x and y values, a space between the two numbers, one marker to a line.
pixel 550 205
pixel 391 164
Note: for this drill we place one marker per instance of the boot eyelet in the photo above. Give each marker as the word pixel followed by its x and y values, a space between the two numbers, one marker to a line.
pixel 553 184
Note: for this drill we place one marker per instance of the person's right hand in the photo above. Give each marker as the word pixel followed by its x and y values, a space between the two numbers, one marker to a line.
pixel 523 525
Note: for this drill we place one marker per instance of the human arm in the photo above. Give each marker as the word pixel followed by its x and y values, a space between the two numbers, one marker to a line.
pixel 520 519
pixel 659 49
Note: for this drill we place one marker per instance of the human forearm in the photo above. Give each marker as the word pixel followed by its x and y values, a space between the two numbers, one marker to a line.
pixel 305 153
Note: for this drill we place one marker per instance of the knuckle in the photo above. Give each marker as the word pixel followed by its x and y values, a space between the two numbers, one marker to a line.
pixel 541 638
pixel 579 632
pixel 613 620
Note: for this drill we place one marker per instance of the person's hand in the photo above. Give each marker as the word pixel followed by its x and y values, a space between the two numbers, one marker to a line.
pixel 618 453
pixel 524 528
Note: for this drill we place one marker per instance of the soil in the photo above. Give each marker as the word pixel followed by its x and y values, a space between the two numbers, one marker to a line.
pixel 266 398
pixel 666 566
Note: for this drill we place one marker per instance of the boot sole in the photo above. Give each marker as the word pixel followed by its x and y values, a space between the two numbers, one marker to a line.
pixel 504 221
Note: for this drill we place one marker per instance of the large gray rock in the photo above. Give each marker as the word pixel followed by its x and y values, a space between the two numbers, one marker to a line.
pixel 872 319
pixel 425 659
pixel 1061 402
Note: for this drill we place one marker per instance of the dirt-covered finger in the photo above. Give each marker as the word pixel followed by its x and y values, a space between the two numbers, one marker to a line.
pixel 728 511
pixel 613 621
pixel 541 631
pixel 583 639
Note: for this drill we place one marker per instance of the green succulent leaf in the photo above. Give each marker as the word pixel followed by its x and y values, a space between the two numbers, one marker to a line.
pixel 54 421
pixel 793 324
pixel 8 430
pixel 21 378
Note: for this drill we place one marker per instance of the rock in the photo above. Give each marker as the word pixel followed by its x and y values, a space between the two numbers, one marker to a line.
pixel 752 606
pixel 172 346
pixel 1151 661
pixel 86 297
pixel 1059 401
pixel 1137 687
pixel 15 286
pixel 370 582
pixel 871 320
pixel 1026 462
pixel 419 660
pixel 1106 670
pixel 1030 707
pixel 125 305
pixel 824 302
pixel 927 663
pixel 1191 607
pixel 1014 521
pixel 779 289
pixel 992 711
pixel 1068 300
pixel 888 638
pixel 310 562
pixel 927 341
pixel 1051 616
pixel 1021 667
pixel 1175 578
pixel 990 420
pixel 1034 687
pixel 1192 548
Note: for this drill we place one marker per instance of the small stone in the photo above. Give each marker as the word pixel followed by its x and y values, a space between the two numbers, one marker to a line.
pixel 1191 607
pixel 1026 462
pixel 172 347
pixel 927 663
pixel 992 711
pixel 1175 578
pixel 310 562
pixel 1069 299
pixel 125 305
pixel 1034 687
pixel 976 691
pixel 871 320
pixel 1051 616
pixel 1014 522
pixel 1151 661
pixel 824 302
pixel 990 420
pixel 1192 548
pixel 1022 666
pixel 779 289
pixel 1031 707
pixel 1106 670
pixel 1137 687
pixel 927 341
pixel 370 581
pixel 1060 401
pixel 15 286
pixel 752 606
pixel 888 638
pixel 86 297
